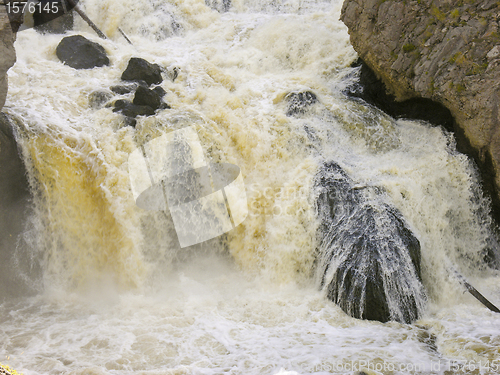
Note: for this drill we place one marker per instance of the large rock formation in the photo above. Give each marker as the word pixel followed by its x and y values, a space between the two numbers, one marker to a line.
pixel 14 210
pixel 14 188
pixel 7 52
pixel 447 51
pixel 368 260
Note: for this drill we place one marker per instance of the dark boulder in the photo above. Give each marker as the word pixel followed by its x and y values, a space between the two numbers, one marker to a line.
pixel 132 110
pixel 368 260
pixel 139 69
pixel 80 53
pixel 145 96
pixel 53 16
pixel 298 102
pixel 16 17
pixel 160 91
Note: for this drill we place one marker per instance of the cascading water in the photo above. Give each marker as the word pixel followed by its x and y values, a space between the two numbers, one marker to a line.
pixel 117 295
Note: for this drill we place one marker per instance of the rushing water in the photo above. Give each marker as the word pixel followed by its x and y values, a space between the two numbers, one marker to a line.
pixel 114 292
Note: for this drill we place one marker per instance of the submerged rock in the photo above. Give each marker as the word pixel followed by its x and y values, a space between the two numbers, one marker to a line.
pixel 132 110
pixel 220 6
pixel 81 53
pixel 298 102
pixel 98 98
pixel 139 69
pixel 369 260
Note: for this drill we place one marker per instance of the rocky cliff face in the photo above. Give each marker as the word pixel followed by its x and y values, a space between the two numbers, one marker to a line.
pixel 14 188
pixel 7 52
pixel 444 50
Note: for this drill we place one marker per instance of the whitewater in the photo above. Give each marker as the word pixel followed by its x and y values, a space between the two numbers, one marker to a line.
pixel 110 289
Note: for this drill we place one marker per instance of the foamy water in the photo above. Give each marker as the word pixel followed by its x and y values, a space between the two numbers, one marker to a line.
pixel 117 295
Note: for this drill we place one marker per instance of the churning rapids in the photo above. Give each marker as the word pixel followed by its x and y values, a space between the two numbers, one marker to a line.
pixel 111 291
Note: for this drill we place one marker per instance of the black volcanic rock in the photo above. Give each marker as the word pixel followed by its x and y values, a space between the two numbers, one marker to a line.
pixel 145 96
pixel 132 110
pixel 139 69
pixel 368 260
pixel 81 53
pixel 160 91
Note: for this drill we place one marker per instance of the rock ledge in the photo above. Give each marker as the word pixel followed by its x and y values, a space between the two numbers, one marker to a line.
pixel 446 51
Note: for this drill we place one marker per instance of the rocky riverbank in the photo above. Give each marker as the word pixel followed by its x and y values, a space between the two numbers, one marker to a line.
pixel 14 189
pixel 447 51
pixel 8 53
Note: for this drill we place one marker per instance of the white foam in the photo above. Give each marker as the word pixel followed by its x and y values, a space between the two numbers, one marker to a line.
pixel 122 298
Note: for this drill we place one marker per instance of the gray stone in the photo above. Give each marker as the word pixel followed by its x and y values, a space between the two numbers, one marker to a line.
pixel 98 99
pixel 7 52
pixel 444 51
pixel 81 53
pixel 368 260
pixel 141 70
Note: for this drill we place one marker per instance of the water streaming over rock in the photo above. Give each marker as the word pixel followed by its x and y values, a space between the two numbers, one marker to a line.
pixel 117 295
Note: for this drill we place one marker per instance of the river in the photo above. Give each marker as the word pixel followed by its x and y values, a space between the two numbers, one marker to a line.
pixel 114 293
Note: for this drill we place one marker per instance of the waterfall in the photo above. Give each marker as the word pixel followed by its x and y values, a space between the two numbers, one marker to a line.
pixel 116 291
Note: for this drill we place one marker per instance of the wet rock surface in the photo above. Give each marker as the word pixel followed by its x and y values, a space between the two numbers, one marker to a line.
pixel 14 207
pixel 145 96
pixel 368 260
pixel 298 102
pixel 444 51
pixel 132 110
pixel 372 90
pixel 141 70
pixel 97 99
pixel 80 53
pixel 146 101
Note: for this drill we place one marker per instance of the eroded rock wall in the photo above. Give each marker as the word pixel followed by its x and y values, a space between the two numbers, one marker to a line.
pixel 7 52
pixel 14 187
pixel 444 50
